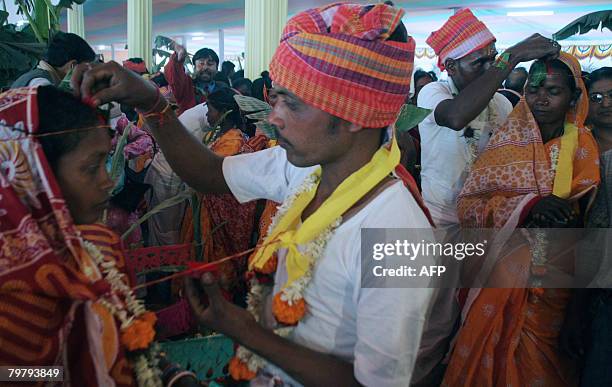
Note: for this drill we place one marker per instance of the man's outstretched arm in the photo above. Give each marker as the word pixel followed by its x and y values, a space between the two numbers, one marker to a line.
pixel 195 164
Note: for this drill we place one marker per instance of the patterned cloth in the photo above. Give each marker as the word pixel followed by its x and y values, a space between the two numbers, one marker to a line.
pixel 49 313
pixel 337 58
pixel 461 35
pixel 510 335
pixel 515 166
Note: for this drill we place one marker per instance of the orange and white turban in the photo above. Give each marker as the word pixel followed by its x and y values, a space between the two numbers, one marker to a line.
pixel 461 35
pixel 338 59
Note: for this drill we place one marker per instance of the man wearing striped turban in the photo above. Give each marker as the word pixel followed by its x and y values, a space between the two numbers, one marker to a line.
pixel 466 107
pixel 341 74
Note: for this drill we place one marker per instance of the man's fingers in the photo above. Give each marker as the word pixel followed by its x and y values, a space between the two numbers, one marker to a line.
pixel 91 78
pixel 211 287
pixel 107 95
pixel 77 78
pixel 193 296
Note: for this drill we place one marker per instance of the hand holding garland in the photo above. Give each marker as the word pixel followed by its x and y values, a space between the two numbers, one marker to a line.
pixel 305 365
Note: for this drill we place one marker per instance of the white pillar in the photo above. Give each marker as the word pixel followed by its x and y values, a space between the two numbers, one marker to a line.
pixel 221 45
pixel 264 21
pixel 140 25
pixel 76 20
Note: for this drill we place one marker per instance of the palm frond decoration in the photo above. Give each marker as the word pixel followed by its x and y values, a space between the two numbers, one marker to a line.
pixel 259 111
pixel 409 117
pixel 586 23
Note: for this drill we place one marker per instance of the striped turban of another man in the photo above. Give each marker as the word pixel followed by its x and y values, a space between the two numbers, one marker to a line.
pixel 461 35
pixel 339 59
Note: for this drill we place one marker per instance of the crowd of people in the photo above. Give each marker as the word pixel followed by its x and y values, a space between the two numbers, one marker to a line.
pixel 88 148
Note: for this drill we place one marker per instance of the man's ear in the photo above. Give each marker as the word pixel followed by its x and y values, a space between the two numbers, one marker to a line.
pixel 451 66
pixel 353 128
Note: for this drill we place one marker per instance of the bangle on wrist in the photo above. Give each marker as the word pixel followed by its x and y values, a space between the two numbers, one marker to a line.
pixel 179 375
pixel 158 99
pixel 503 61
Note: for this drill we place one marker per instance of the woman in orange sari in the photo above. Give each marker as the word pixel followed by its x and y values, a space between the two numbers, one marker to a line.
pixel 64 298
pixel 535 172
pixel 225 226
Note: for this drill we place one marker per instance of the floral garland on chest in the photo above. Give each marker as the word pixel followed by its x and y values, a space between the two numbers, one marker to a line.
pixel 305 243
pixel 136 323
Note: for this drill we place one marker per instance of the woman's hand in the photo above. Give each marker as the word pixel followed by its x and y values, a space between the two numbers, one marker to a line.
pixel 553 212
pixel 109 82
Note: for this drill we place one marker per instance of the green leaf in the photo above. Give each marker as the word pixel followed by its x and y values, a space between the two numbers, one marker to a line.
pixel 162 53
pixel 118 158
pixel 163 41
pixel 259 116
pixel 251 104
pixel 586 23
pixel 267 128
pixel 410 116
pixel 3 17
pixel 65 83
pixel 170 202
pixel 538 74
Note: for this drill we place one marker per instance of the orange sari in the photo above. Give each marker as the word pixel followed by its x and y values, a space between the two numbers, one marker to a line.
pixel 509 336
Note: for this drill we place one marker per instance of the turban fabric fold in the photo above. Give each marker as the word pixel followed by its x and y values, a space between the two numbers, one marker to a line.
pixel 461 35
pixel 338 59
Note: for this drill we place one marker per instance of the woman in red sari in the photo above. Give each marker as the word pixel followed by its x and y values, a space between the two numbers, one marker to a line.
pixel 536 171
pixel 64 300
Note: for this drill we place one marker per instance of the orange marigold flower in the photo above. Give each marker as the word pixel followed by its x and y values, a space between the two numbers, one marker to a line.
pixel 270 265
pixel 150 317
pixel 239 370
pixel 288 314
pixel 139 334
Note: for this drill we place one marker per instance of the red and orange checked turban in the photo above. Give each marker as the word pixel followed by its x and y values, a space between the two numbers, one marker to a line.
pixel 461 35
pixel 337 58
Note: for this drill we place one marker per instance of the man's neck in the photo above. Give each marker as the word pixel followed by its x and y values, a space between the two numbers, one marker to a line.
pixel 334 173
pixel 551 131
pixel 603 136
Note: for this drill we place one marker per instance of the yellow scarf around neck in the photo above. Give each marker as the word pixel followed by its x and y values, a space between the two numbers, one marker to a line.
pixel 288 233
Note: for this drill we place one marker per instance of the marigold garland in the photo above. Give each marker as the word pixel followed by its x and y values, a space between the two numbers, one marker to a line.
pixel 286 312
pixel 140 333
pixel 288 305
pixel 239 370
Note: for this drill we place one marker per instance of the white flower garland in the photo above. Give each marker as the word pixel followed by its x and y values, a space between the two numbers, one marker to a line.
pixel 293 292
pixel 539 246
pixel 145 365
pixel 488 116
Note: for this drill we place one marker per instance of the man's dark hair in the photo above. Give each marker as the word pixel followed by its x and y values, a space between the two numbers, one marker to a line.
pixel 516 80
pixel 421 74
pixel 227 67
pixel 135 60
pixel 237 75
pixel 65 47
pixel 160 80
pixel 598 75
pixel 206 53
pixel 52 107
pixel 243 82
pixel 223 100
